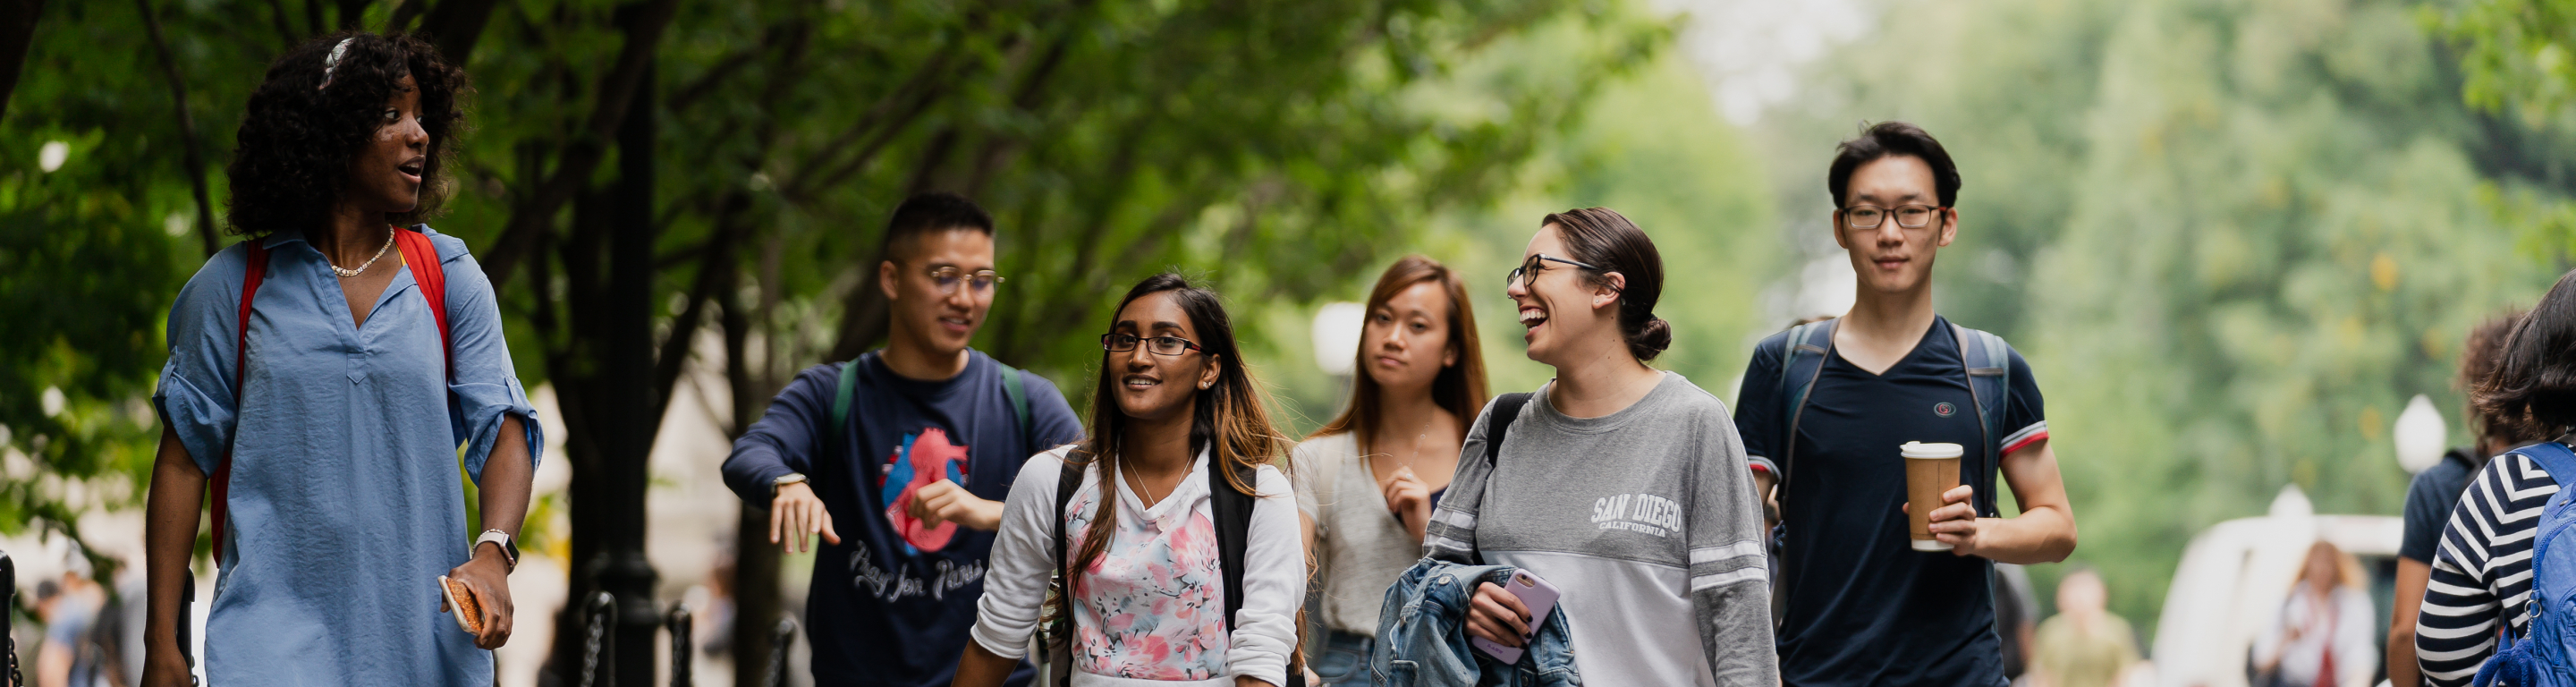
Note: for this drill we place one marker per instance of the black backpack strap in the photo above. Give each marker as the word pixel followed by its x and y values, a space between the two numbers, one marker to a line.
pixel 1507 408
pixel 1233 510
pixel 1058 646
pixel 1498 427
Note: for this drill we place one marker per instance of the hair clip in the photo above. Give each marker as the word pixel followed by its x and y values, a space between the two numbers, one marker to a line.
pixel 333 62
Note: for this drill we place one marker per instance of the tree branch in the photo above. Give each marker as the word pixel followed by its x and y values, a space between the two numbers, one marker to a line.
pixel 188 155
pixel 589 147
pixel 353 14
pixel 403 14
pixel 454 26
pixel 285 31
pixel 17 36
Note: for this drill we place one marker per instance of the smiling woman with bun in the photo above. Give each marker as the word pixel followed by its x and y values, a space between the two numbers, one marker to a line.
pixel 1622 485
pixel 323 374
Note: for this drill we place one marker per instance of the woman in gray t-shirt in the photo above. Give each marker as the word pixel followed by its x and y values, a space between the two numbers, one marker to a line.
pixel 1623 485
pixel 1367 481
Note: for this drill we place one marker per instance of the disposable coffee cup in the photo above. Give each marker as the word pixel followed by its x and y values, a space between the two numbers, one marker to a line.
pixel 1930 469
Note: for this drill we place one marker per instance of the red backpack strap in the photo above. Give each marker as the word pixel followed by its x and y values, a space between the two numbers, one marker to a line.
pixel 257 256
pixel 422 257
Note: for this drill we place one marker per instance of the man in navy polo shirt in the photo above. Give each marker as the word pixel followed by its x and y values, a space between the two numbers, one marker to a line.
pixel 933 432
pixel 1858 605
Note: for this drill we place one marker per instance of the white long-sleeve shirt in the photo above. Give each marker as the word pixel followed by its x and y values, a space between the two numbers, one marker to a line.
pixel 1149 612
pixel 2339 627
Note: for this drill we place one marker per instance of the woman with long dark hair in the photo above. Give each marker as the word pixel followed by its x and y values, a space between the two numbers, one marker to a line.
pixel 1370 478
pixel 1143 540
pixel 2482 573
pixel 322 376
pixel 1624 486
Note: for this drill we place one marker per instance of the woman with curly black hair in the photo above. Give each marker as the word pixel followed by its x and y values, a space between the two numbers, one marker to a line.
pixel 323 374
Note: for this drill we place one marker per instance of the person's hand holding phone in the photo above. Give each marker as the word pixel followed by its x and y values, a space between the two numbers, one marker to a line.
pixel 1497 616
pixel 487 578
pixel 795 515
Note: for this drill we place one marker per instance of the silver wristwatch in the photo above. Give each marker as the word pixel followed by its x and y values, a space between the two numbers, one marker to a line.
pixel 784 480
pixel 509 547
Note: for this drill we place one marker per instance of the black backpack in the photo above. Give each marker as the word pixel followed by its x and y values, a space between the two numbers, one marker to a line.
pixel 1233 510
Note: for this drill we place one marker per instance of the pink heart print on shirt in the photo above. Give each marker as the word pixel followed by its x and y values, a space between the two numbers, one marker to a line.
pixel 927 458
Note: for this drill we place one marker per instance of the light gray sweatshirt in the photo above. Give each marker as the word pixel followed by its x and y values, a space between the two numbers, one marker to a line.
pixel 1645 519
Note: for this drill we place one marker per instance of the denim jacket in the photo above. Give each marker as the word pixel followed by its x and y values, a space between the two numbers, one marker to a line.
pixel 1422 635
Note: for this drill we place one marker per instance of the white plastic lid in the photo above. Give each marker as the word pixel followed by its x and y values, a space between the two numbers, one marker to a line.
pixel 1917 449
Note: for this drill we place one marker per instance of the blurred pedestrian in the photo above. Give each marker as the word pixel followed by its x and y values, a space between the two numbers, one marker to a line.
pixel 322 375
pixel 2482 572
pixel 1622 485
pixel 69 606
pixel 2322 636
pixel 1172 530
pixel 911 448
pixel 1825 409
pixel 2435 492
pixel 1370 478
pixel 2084 645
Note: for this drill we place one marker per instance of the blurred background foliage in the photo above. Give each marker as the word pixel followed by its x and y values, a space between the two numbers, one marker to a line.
pixel 2233 237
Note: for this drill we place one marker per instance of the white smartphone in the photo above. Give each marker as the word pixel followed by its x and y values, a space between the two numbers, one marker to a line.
pixel 461 601
pixel 1536 595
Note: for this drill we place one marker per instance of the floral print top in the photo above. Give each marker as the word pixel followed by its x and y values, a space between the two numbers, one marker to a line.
pixel 1151 609
pixel 1153 605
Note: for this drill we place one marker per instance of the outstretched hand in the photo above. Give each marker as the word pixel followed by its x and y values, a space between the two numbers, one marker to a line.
pixel 796 515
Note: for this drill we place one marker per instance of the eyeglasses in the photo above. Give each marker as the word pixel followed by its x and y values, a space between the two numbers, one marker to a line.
pixel 1159 345
pixel 1908 216
pixel 949 277
pixel 1529 269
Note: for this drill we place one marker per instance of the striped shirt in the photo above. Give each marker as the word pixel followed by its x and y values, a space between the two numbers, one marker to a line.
pixel 2485 558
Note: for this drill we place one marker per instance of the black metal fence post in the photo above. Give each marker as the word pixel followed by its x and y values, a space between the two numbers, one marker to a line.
pixel 682 654
pixel 187 614
pixel 9 615
pixel 782 638
pixel 597 616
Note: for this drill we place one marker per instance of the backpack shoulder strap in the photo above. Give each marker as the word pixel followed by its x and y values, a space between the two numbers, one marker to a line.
pixel 1233 511
pixel 255 253
pixel 1507 408
pixel 1802 360
pixel 1988 363
pixel 844 395
pixel 1056 649
pixel 2554 458
pixel 1017 390
pixel 431 277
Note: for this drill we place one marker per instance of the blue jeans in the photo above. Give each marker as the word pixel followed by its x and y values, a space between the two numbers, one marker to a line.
pixel 1422 635
pixel 1345 658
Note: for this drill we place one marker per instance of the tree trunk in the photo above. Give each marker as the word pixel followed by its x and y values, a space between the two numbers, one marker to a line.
pixel 626 366
pixel 17 33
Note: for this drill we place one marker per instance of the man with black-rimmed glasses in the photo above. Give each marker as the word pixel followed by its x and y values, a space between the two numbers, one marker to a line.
pixel 910 449
pixel 1823 411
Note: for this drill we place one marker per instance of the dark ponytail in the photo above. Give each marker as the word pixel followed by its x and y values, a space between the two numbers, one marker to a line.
pixel 1605 239
pixel 2532 389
